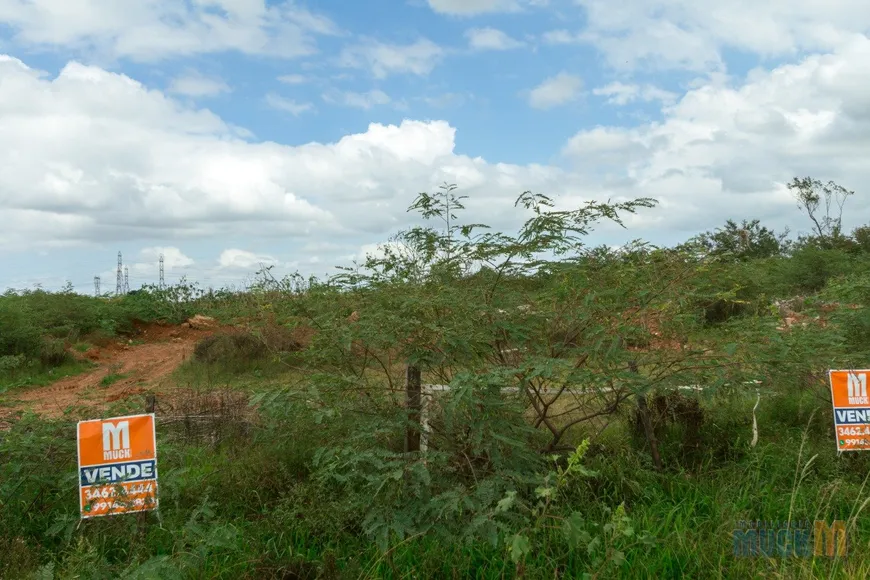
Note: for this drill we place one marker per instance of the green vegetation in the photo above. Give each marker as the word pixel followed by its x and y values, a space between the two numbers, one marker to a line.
pixel 16 375
pixel 111 379
pixel 82 347
pixel 285 455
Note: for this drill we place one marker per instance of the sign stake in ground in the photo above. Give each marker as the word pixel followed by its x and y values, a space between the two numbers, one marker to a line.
pixel 851 409
pixel 117 465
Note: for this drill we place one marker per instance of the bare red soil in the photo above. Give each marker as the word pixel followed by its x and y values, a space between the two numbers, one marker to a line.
pixel 141 364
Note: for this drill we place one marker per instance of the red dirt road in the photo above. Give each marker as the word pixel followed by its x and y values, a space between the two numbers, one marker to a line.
pixel 141 368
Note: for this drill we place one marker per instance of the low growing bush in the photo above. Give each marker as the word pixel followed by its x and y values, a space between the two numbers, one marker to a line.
pixel 228 349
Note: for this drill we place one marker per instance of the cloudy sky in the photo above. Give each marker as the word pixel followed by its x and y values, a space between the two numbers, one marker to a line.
pixel 229 133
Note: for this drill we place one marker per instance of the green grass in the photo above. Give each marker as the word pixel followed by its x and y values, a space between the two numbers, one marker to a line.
pixel 243 503
pixel 247 507
pixel 82 347
pixel 40 377
pixel 111 379
pixel 261 376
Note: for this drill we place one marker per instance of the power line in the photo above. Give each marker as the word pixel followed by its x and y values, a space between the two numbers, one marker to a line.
pixel 119 281
pixel 126 281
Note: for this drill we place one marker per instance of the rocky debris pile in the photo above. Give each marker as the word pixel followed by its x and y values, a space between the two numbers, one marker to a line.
pixel 792 313
pixel 199 322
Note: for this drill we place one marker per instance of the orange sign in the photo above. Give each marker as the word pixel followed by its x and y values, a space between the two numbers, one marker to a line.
pixel 117 465
pixel 851 409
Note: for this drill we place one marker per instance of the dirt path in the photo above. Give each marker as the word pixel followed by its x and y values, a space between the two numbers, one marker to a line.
pixel 123 370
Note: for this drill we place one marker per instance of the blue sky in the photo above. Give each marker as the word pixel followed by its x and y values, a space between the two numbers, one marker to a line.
pixel 230 133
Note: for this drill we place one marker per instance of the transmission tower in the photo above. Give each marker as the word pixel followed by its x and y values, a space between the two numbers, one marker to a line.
pixel 97 286
pixel 161 284
pixel 126 281
pixel 119 281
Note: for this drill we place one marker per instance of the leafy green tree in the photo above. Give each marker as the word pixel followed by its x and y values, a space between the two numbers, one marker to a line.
pixel 861 237
pixel 747 241
pixel 823 204
pixel 538 337
pixel 441 205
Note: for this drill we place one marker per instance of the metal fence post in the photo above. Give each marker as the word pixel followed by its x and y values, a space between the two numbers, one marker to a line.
pixel 413 403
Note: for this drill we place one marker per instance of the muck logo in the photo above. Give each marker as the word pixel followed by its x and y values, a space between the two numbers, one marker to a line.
pixel 857 387
pixel 783 540
pixel 116 440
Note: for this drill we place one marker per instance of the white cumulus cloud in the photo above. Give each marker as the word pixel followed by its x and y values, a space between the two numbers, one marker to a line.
pixel 560 36
pixel 618 93
pixel 555 91
pixel 157 29
pixel 384 59
pixel 469 8
pixel 293 79
pixel 490 39
pixel 692 35
pixel 95 157
pixel 173 257
pixel 244 260
pixel 288 105
pixel 365 100
pixel 727 149
pixel 194 84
